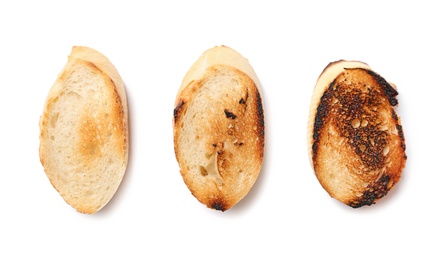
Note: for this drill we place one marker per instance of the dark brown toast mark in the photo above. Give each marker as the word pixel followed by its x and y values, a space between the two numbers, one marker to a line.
pixel 233 139
pixel 228 114
pixel 355 113
pixel 218 204
pixel 358 106
pixel 260 113
pixel 177 109
pixel 373 193
pixel 321 118
pixel 389 91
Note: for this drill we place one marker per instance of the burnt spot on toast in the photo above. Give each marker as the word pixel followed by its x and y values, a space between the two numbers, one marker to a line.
pixel 389 91
pixel 243 100
pixel 356 111
pixel 228 126
pixel 375 192
pixel 219 204
pixel 260 117
pixel 321 118
pixel 356 120
pixel 228 114
pixel 177 109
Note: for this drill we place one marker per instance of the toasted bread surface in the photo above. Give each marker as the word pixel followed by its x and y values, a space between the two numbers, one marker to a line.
pixel 355 139
pixel 219 128
pixel 84 131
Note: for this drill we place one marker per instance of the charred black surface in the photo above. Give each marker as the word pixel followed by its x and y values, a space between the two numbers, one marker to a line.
pixel 219 205
pixel 243 100
pixel 402 138
pixel 177 110
pixel 355 112
pixel 368 141
pixel 228 114
pixel 371 195
pixel 389 91
pixel 321 118
pixel 260 112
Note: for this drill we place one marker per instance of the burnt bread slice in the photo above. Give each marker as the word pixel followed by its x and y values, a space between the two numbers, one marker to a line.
pixel 355 138
pixel 218 125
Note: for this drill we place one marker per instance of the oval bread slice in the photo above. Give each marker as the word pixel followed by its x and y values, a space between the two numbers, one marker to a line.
pixel 219 128
pixel 84 131
pixel 355 139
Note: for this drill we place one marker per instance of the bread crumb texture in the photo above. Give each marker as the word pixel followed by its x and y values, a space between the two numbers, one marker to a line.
pixel 358 149
pixel 219 136
pixel 84 136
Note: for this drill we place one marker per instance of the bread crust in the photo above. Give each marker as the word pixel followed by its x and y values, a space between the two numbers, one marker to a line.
pixel 227 135
pixel 355 139
pixel 94 134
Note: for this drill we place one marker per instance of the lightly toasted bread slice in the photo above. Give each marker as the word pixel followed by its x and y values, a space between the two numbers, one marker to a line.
pixel 218 128
pixel 84 131
pixel 355 139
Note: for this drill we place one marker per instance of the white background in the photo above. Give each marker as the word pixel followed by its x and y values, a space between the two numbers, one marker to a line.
pixel 287 214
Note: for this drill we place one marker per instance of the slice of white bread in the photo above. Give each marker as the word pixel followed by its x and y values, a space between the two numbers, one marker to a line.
pixel 355 139
pixel 84 131
pixel 219 128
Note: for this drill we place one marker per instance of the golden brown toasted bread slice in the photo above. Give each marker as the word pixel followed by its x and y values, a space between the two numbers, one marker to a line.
pixel 355 139
pixel 83 131
pixel 219 128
